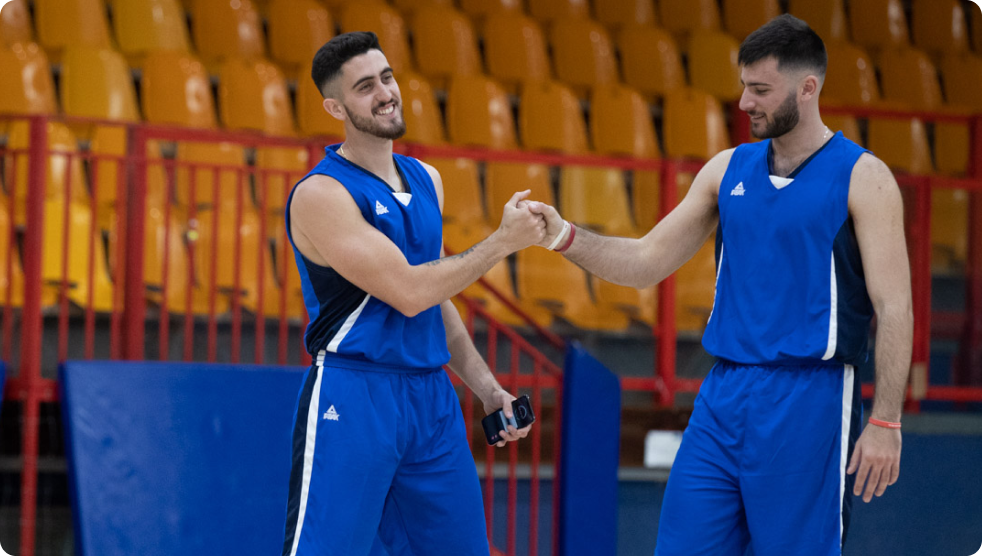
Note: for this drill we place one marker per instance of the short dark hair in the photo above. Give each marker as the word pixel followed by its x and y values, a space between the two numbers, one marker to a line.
pixel 788 39
pixel 337 51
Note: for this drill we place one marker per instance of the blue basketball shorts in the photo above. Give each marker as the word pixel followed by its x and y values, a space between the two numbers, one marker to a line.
pixel 762 464
pixel 381 466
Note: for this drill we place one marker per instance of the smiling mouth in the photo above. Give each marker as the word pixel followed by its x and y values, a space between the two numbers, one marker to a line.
pixel 386 110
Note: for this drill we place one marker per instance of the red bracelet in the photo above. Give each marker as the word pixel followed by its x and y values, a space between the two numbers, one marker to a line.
pixel 572 234
pixel 885 424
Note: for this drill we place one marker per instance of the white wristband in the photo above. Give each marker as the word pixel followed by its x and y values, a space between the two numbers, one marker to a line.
pixel 555 242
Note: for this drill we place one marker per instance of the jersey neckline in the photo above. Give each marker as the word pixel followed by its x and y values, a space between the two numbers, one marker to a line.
pixel 405 183
pixel 794 173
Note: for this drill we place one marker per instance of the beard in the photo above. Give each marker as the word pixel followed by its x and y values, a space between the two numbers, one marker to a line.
pixel 372 127
pixel 784 120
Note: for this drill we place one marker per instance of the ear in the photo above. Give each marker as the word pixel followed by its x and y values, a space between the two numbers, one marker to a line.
pixel 334 108
pixel 809 87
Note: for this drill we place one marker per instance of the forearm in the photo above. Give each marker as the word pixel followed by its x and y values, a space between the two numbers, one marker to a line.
pixel 465 361
pixel 894 337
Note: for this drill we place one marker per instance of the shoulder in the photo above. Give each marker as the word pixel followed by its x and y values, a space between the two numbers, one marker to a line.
pixel 871 182
pixel 319 193
pixel 711 174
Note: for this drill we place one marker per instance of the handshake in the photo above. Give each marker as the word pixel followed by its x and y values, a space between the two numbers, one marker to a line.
pixel 525 223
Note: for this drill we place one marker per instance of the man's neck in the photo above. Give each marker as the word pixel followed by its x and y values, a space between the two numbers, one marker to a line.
pixel 371 153
pixel 802 141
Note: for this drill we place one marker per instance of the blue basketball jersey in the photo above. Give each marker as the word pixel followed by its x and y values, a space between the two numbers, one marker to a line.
pixel 789 284
pixel 344 319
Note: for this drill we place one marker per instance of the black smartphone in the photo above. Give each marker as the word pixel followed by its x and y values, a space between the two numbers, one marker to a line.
pixel 496 422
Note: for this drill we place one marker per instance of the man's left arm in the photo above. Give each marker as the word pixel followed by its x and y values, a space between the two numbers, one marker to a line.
pixel 876 207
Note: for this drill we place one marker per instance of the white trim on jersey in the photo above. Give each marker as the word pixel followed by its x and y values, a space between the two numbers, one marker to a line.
pixel 848 380
pixel 719 268
pixel 347 326
pixel 833 315
pixel 308 450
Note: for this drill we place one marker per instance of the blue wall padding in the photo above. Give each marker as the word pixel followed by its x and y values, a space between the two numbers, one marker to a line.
pixel 590 455
pixel 169 459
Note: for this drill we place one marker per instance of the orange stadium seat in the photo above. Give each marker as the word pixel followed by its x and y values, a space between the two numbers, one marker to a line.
pixel 616 14
pixel 694 125
pixel 949 229
pixel 311 115
pixel 176 90
pixel 165 237
pixel 254 96
pixel 850 77
pixel 621 124
pixel 197 167
pixel 551 119
pixel 445 44
pixel 503 179
pixel 15 23
pixel 713 64
pixel 826 17
pixel 277 169
pixel 297 29
pixel 272 291
pixel 420 111
pixel 515 49
pixel 847 124
pixel 742 17
pixel 962 77
pixel 650 60
pixel 27 87
pixel 96 83
pixel 62 23
pixel 901 144
pixel 682 17
pixel 410 7
pixel 939 26
pixel 479 114
pixel 695 289
pixel 63 171
pixel 646 199
pixel 596 198
pixel 83 238
pixel 548 11
pixel 462 202
pixel 583 54
pixel 384 21
pixel 145 25
pixel 641 305
pixel 478 10
pixel 224 30
pixel 286 272
pixel 878 24
pixel 976 30
pixel 12 289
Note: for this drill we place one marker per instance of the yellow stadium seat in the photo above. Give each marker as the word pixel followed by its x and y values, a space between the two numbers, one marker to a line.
pixel 583 54
pixel 844 123
pixel 551 119
pixel 145 25
pixel 949 230
pixel 297 29
pixel 479 114
pixel 462 198
pixel 107 171
pixel 962 77
pixel 641 305
pixel 650 60
pixel 515 49
pixel 694 125
pixel 976 30
pixel 621 124
pixel 503 179
pixel 445 44
pixel 286 272
pixel 410 7
pixel 96 83
pixel 742 17
pixel 12 288
pixel 478 10
pixel 165 236
pixel 596 198
pixel 83 238
pixel 63 171
pixel 878 24
pixel 176 90
pixel 253 96
pixel 384 21
pixel 272 294
pixel 420 111
pixel 225 30
pixel 62 23
pixel 277 169
pixel 26 87
pixel 15 23
pixel 197 167
pixel 646 199
pixel 713 64
pixel 695 289
pixel 616 14
pixel 901 144
pixel 682 17
pixel 548 11
pixel 851 77
pixel 215 250
pixel 939 26
pixel 825 17
pixel 311 115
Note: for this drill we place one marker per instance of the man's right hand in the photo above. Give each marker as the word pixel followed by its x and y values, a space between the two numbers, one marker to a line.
pixel 520 227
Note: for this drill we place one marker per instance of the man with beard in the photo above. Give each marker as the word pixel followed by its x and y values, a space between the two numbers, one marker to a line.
pixel 381 463
pixel 809 244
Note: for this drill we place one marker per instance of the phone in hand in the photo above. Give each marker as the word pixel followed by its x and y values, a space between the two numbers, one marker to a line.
pixel 496 422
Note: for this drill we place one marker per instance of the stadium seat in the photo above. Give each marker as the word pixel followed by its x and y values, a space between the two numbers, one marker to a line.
pixel 695 285
pixel 272 294
pixel 901 144
pixel 515 49
pixel 621 124
pixel 596 198
pixel 939 26
pixel 962 77
pixel 420 111
pixel 503 179
pixel 297 29
pixel 878 24
pixel 444 44
pixel 384 21
pixel 976 30
pixel 615 14
pixel 165 236
pixel 851 77
pixel 252 95
pixel 462 198
pixel 847 124
pixel 225 30
pixel 96 83
pixel 27 87
pixel 551 119
pixel 63 171
pixel 548 11
pixel 145 25
pixel 583 54
pixel 12 289
pixel 410 7
pixel 694 125
pixel 682 17
pixel 220 259
pixel 650 60
pixel 646 199
pixel 62 23
pixel 479 114
pixel 826 17
pixel 176 90
pixel 15 23
pixel 311 115
pixel 197 166
pixel 286 272
pixel 640 305
pixel 478 10
pixel 277 169
pixel 742 17
pixel 713 64
pixel 949 230
pixel 83 237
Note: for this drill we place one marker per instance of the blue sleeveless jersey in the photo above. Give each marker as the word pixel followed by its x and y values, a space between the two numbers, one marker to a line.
pixel 344 319
pixel 789 283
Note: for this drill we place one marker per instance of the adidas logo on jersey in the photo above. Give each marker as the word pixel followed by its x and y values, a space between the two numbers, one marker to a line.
pixel 380 209
pixel 331 414
pixel 738 190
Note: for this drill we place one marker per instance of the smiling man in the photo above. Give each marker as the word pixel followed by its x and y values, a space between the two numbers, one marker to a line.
pixel 809 244
pixel 381 464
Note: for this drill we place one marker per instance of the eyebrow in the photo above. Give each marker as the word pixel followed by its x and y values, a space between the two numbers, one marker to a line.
pixel 370 77
pixel 755 84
